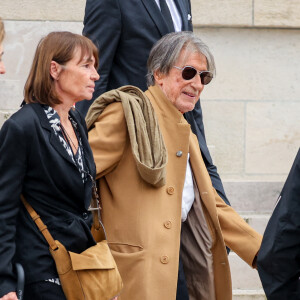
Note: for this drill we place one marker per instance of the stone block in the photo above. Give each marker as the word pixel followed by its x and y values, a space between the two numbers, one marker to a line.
pixel 242 275
pixel 10 94
pixel 259 197
pixel 249 295
pixel 272 137
pixel 279 13
pixel 253 64
pixel 54 10
pixel 224 127
pixel 19 47
pixel 222 13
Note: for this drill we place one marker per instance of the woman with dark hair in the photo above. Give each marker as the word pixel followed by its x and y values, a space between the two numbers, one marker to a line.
pixel 45 156
pixel 2 35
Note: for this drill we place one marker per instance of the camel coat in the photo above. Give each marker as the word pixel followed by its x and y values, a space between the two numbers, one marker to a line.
pixel 143 223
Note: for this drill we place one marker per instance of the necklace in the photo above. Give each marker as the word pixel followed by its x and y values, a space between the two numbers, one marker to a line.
pixel 68 138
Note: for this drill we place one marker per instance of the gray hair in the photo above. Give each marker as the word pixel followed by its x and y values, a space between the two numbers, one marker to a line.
pixel 167 50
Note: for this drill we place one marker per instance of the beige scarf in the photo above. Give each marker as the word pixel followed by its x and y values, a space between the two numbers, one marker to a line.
pixel 147 143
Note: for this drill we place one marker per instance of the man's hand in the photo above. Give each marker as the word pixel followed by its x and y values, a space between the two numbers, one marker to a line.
pixel 10 296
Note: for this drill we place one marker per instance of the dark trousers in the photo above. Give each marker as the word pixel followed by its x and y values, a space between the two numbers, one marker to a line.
pixel 182 291
pixel 43 290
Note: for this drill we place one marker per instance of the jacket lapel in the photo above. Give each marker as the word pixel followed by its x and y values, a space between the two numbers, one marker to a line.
pixel 154 12
pixel 54 141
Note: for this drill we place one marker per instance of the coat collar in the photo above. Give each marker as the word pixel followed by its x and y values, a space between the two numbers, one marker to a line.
pixel 167 109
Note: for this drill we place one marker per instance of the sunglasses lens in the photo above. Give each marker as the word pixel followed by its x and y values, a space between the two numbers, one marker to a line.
pixel 188 73
pixel 206 77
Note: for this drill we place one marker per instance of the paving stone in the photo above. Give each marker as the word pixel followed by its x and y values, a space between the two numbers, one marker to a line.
pixel 248 295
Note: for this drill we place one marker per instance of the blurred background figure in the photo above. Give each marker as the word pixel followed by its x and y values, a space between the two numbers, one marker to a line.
pixel 2 35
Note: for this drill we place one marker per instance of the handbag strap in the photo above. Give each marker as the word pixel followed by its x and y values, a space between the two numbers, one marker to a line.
pixel 95 207
pixel 40 224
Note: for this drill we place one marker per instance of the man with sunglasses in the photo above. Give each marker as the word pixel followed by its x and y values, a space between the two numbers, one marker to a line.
pixel 158 202
pixel 125 32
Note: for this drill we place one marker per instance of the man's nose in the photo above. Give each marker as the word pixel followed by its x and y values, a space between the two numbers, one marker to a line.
pixel 197 83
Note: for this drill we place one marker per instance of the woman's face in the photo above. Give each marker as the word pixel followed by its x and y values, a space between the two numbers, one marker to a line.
pixel 2 67
pixel 76 79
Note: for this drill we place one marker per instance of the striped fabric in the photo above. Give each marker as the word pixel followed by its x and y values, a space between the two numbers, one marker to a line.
pixel 174 13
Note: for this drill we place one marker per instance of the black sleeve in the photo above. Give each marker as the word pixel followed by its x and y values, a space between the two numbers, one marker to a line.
pixel 102 24
pixel 279 257
pixel 13 168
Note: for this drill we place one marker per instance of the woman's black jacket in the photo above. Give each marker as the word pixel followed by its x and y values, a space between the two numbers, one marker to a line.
pixel 34 162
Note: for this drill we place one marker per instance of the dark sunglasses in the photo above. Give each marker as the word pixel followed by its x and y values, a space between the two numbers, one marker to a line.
pixel 189 73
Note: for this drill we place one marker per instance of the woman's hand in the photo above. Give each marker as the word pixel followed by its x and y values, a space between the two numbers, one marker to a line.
pixel 10 296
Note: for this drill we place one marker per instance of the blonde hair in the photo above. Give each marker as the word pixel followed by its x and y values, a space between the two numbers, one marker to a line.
pixel 2 31
pixel 60 47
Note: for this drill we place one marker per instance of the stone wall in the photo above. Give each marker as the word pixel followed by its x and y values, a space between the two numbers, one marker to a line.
pixel 250 110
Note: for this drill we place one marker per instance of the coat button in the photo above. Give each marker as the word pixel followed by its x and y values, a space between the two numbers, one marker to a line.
pixel 168 224
pixel 164 259
pixel 179 153
pixel 85 216
pixel 170 190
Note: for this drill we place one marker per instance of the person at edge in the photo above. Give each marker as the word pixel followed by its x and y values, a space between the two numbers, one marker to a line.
pixel 154 182
pixel 278 262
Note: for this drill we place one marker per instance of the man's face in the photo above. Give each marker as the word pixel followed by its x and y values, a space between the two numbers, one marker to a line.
pixel 183 93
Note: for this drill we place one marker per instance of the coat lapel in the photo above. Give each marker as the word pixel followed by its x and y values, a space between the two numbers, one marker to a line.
pixel 54 141
pixel 154 12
